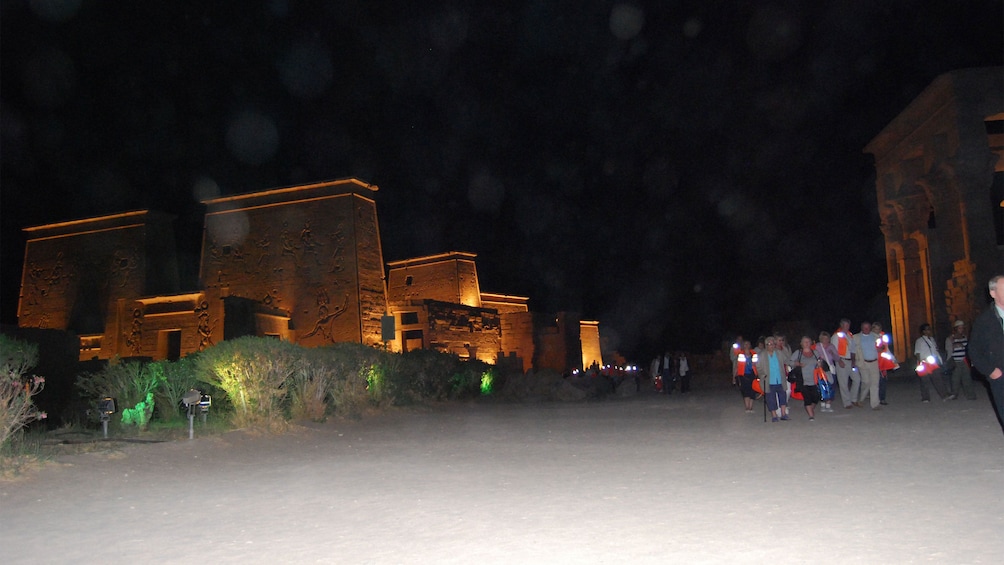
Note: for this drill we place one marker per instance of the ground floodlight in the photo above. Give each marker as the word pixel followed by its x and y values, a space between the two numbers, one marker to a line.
pixel 106 407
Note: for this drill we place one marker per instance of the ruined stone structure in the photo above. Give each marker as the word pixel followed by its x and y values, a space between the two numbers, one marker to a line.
pixel 940 189
pixel 303 263
pixel 437 303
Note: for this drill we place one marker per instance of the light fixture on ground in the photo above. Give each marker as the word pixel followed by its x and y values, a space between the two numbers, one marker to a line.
pixel 106 407
pixel 196 400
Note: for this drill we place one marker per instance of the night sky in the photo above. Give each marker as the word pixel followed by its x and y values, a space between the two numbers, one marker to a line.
pixel 678 171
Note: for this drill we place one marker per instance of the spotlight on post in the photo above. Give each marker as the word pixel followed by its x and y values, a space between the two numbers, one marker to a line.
pixel 106 407
pixel 195 400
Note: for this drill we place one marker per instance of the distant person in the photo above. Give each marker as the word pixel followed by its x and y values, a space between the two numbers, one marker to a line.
pixel 771 372
pixel 866 360
pixel 745 373
pixel 958 376
pixel 848 380
pixel 683 369
pixel 653 371
pixel 929 365
pixel 827 352
pixel 986 345
pixel 667 373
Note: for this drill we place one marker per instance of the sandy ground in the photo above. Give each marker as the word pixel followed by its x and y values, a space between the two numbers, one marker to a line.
pixel 648 479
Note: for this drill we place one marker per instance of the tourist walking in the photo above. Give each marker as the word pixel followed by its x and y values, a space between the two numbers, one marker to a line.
pixel 886 360
pixel 771 372
pixel 958 376
pixel 805 358
pixel 668 378
pixel 826 351
pixel 866 360
pixel 782 346
pixel 653 371
pixel 737 346
pixel 745 373
pixel 929 364
pixel 683 368
pixel 848 380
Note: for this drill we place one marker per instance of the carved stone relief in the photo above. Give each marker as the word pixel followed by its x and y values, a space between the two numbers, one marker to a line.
pixel 124 264
pixel 134 337
pixel 205 325
pixel 326 315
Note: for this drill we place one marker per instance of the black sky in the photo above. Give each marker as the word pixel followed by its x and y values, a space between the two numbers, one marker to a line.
pixel 676 170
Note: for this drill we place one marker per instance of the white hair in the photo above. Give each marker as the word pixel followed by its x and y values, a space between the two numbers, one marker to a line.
pixel 993 282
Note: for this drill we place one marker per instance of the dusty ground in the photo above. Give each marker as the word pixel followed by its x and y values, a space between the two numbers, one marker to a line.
pixel 648 479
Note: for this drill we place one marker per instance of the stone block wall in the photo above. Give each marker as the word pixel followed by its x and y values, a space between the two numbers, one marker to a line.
pixel 78 274
pixel 312 252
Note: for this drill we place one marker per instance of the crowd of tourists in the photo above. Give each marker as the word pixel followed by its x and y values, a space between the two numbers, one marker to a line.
pixel 850 369
pixel 816 371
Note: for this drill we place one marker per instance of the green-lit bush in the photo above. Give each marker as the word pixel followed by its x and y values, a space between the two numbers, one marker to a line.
pixel 17 387
pixel 177 378
pixel 253 372
pixel 440 376
pixel 487 382
pixel 363 376
pixel 131 383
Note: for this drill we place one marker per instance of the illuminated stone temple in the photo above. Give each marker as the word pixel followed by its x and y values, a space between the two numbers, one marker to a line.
pixel 301 263
pixel 940 187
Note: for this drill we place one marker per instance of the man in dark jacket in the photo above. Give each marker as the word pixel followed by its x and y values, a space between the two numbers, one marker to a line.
pixel 986 344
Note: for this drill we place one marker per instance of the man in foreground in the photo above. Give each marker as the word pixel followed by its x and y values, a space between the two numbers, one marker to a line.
pixel 986 345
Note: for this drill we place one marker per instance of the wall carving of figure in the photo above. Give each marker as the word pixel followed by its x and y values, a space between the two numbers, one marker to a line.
pixel 205 325
pixel 36 287
pixel 236 253
pixel 43 282
pixel 263 245
pixel 134 339
pixel 326 315
pixel 308 244
pixel 124 264
pixel 289 247
pixel 338 253
pixel 56 275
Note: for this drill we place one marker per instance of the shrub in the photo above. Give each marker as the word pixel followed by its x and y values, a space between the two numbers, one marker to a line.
pixel 253 372
pixel 16 388
pixel 362 376
pixel 487 382
pixel 310 386
pixel 178 377
pixel 350 394
pixel 131 383
pixel 441 376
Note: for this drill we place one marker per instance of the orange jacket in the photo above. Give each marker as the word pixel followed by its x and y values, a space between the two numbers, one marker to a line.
pixel 886 360
pixel 843 343
pixel 743 358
